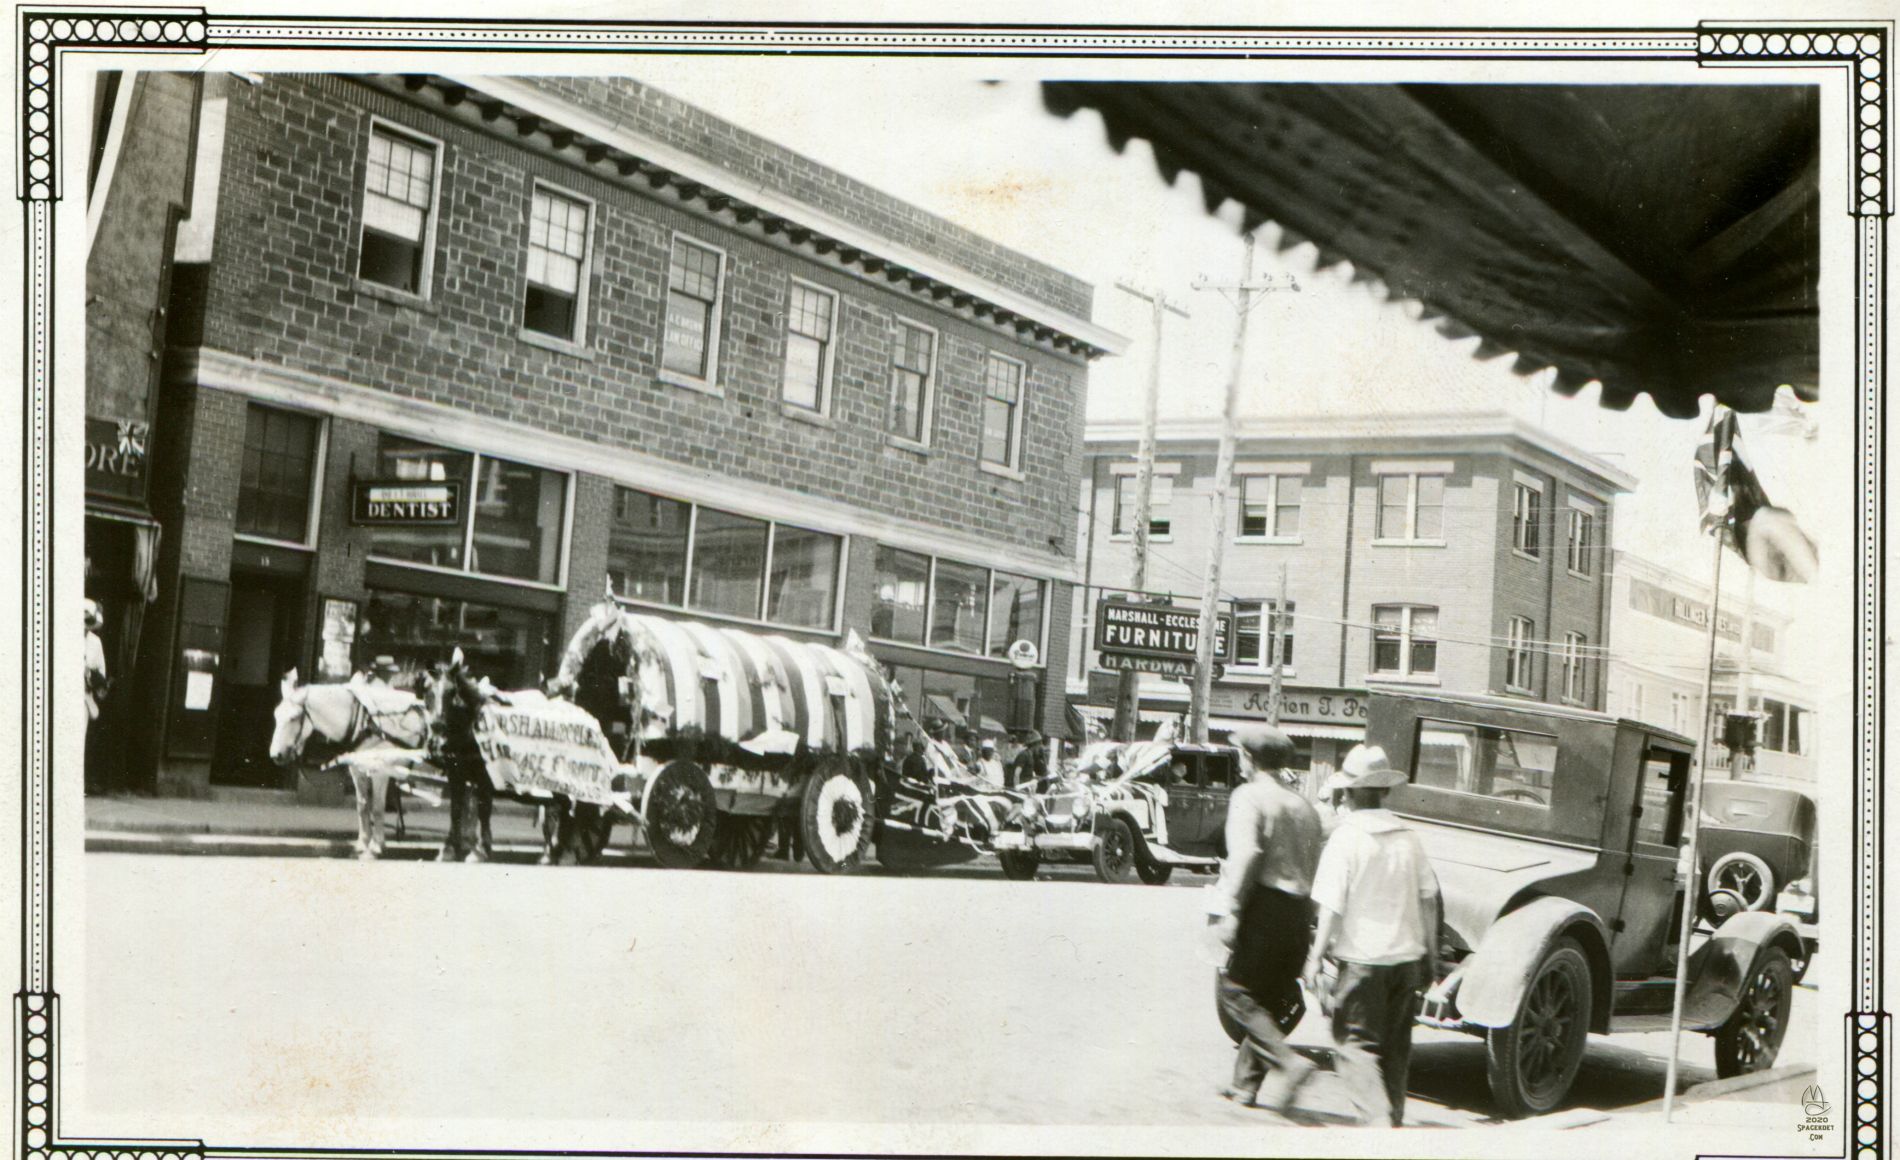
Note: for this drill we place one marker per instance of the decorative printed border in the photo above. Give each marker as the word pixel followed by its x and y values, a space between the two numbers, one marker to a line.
pixel 45 34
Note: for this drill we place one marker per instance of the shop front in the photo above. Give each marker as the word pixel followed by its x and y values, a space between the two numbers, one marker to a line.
pixel 121 579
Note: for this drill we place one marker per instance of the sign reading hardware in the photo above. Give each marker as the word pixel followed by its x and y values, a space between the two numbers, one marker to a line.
pixel 385 502
pixel 1161 666
pixel 1156 630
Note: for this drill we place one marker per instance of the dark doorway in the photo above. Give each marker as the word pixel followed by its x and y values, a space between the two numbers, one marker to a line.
pixel 263 636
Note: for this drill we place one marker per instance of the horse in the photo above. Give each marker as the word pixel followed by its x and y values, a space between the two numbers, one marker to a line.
pixel 452 701
pixel 343 716
pixel 576 832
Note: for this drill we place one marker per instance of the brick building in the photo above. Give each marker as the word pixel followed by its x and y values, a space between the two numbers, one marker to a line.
pixel 448 356
pixel 1465 551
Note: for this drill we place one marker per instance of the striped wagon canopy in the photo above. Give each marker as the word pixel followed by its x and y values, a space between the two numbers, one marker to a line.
pixel 765 693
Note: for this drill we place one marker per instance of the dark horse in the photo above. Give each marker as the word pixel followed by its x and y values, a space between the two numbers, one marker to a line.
pixel 579 831
pixel 453 700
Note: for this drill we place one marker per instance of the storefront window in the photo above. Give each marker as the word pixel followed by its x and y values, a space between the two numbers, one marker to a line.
pixel 728 563
pixel 280 455
pixel 511 647
pixel 958 606
pixel 1015 612
pixel 518 515
pixel 647 546
pixel 803 587
pixel 903 594
pixel 988 705
pixel 406 459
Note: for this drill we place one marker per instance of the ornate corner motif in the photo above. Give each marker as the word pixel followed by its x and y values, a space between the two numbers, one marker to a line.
pixel 1864 50
pixel 35 1025
pixel 1867 1034
pixel 42 35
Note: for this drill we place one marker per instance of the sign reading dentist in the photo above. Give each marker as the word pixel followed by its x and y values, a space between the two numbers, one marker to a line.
pixel 391 502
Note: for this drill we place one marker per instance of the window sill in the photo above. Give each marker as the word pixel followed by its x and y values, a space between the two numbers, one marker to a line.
pixel 1269 540
pixel 910 445
pixel 999 470
pixel 703 386
pixel 1405 678
pixel 485 577
pixel 1128 538
pixel 1518 691
pixel 1250 675
pixel 269 542
pixel 806 415
pixel 1411 543
pixel 392 295
pixel 1583 576
pixel 1523 555
pixel 557 345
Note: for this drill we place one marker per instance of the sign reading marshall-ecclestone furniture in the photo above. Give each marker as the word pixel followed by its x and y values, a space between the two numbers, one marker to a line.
pixel 1128 628
pixel 386 502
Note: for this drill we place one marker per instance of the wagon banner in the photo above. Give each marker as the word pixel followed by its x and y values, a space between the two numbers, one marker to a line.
pixel 537 747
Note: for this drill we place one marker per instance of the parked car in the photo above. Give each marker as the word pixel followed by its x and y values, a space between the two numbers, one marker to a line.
pixel 1138 810
pixel 1757 848
pixel 1555 834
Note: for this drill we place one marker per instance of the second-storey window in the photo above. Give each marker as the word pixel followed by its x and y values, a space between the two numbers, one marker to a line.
pixel 1127 498
pixel 1253 632
pixel 1269 506
pixel 1411 507
pixel 1527 520
pixel 1002 412
pixel 1404 639
pixel 511 522
pixel 1573 667
pixel 692 311
pixel 808 325
pixel 557 266
pixel 1582 538
pixel 1517 654
pixel 398 210
pixel 913 362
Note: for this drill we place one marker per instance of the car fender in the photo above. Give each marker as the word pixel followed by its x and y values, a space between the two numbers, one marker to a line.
pixel 1493 978
pixel 1721 965
pixel 1134 827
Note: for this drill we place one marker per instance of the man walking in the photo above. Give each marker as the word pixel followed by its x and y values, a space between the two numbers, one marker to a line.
pixel 1264 916
pixel 1378 919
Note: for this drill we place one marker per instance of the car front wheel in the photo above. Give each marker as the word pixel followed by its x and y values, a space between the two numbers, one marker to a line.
pixel 1114 852
pixel 1751 1038
pixel 1532 1062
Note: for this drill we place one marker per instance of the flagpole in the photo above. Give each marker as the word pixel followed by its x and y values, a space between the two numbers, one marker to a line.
pixel 1687 871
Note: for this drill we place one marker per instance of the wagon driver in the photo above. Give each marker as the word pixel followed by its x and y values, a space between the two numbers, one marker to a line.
pixel 1263 914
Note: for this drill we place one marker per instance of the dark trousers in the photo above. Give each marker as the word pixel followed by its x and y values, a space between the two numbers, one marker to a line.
pixel 1373 1010
pixel 1262 980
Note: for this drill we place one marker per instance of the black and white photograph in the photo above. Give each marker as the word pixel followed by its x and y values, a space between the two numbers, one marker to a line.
pixel 757 580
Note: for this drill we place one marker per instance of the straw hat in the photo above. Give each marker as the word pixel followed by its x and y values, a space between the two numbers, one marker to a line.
pixel 1365 767
pixel 95 617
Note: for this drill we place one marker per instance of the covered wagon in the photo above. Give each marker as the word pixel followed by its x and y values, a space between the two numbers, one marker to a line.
pixel 731 732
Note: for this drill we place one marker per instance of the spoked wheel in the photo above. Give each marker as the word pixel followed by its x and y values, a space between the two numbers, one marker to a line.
pixel 833 817
pixel 739 842
pixel 868 835
pixel 1532 1063
pixel 1751 1038
pixel 1746 876
pixel 1114 851
pixel 1152 872
pixel 682 818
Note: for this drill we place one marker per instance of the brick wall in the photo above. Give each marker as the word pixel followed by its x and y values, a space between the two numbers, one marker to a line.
pixel 211 485
pixel 281 290
pixel 755 160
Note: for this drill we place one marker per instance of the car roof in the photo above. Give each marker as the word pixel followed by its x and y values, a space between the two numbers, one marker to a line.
pixel 1521 705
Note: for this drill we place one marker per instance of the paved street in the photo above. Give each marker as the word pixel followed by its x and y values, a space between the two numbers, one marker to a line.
pixel 304 997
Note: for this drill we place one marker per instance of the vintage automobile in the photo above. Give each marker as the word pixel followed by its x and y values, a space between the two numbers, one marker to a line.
pixel 1138 810
pixel 1755 839
pixel 1556 835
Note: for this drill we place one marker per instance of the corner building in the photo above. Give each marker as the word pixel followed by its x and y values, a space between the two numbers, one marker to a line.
pixel 449 357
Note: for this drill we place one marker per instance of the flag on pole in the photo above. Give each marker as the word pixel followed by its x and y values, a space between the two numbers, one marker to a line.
pixel 1731 496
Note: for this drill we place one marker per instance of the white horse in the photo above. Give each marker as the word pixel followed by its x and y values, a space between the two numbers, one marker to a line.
pixel 351 717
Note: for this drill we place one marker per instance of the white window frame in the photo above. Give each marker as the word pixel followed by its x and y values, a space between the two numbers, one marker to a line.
pixel 989 611
pixel 830 357
pixel 1522 526
pixel 1592 514
pixel 1519 632
pixel 468 522
pixel 1280 475
pixel 1014 468
pixel 1267 608
pixel 313 513
pixel 1405 671
pixel 927 403
pixel 578 340
pixel 1413 471
pixel 714 321
pixel 1161 496
pixel 425 277
pixel 1575 682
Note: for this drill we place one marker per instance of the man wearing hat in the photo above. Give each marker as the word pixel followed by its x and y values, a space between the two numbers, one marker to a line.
pixel 989 767
pixel 1264 916
pixel 1378 919
pixel 383 670
pixel 1030 763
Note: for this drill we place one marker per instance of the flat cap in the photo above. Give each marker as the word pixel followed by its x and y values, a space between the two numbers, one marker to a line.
pixel 1266 746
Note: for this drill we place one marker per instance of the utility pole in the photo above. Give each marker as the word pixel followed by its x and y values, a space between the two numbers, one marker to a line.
pixel 1276 640
pixel 1244 301
pixel 1127 689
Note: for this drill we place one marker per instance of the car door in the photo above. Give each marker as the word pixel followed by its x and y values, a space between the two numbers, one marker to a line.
pixel 1647 921
pixel 1180 777
pixel 1222 775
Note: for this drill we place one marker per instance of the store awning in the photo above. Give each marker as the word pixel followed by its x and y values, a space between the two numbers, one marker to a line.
pixel 1654 239
pixel 1308 729
pixel 938 705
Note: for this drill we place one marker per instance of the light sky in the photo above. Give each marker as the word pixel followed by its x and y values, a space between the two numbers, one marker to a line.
pixel 988 157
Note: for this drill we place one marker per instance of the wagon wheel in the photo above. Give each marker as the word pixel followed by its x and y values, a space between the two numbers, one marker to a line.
pixel 867 787
pixel 833 816
pixel 739 842
pixel 682 818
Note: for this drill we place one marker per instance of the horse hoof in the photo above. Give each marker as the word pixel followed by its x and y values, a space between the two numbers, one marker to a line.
pixel 545 860
pixel 476 856
pixel 367 855
pixel 446 855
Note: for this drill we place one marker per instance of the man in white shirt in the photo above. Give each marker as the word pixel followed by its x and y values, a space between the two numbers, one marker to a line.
pixel 1378 919
pixel 989 767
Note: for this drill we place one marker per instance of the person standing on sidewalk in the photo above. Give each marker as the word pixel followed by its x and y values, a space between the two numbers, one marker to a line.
pixel 1378 919
pixel 1264 916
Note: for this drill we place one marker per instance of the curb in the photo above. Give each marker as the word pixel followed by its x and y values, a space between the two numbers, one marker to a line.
pixel 1716 1088
pixel 297 846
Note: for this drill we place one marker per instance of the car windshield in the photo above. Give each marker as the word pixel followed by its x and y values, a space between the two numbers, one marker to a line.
pixel 1486 761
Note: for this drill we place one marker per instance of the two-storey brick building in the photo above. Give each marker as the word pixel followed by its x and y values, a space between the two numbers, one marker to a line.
pixel 448 357
pixel 1466 551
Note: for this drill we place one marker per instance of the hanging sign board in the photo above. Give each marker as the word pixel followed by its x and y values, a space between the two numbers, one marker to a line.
pixel 536 746
pixel 1128 628
pixel 405 502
